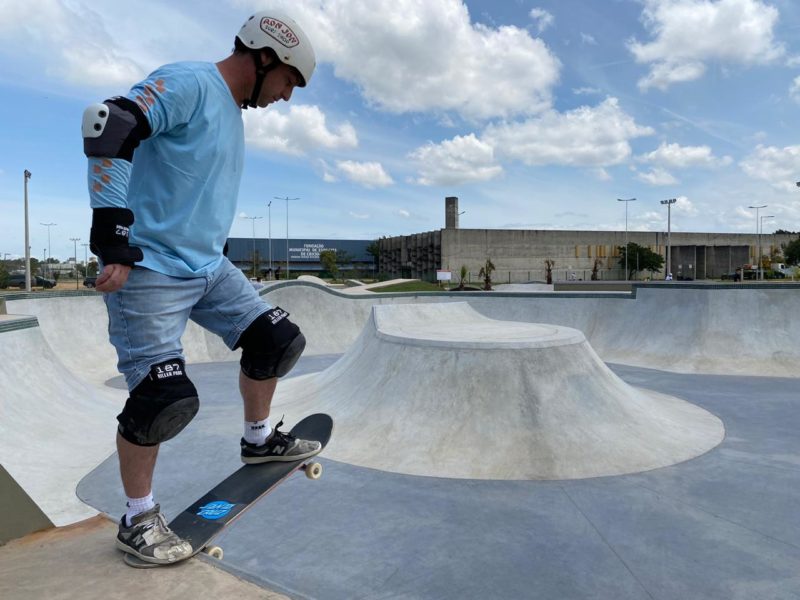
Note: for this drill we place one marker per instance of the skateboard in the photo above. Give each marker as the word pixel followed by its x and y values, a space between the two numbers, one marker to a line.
pixel 205 518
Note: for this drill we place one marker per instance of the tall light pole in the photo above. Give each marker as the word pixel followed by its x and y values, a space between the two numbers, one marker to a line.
pixel 85 259
pixel 49 253
pixel 626 201
pixel 269 214
pixel 75 258
pixel 669 204
pixel 27 238
pixel 758 236
pixel 287 199
pixel 253 219
pixel 761 230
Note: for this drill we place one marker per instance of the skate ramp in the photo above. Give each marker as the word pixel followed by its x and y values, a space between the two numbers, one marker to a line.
pixel 748 329
pixel 54 427
pixel 441 390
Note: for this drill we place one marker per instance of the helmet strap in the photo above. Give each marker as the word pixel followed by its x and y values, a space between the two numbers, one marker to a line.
pixel 261 72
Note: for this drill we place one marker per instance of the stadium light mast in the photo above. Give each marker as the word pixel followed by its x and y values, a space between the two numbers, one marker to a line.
pixel 669 204
pixel 626 201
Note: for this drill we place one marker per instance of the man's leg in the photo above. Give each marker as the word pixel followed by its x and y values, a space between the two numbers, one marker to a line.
pixel 257 396
pixel 136 466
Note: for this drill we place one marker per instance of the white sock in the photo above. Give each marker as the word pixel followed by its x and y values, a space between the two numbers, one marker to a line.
pixel 257 432
pixel 137 506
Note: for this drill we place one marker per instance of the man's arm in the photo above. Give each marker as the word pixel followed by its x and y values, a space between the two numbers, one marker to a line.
pixel 111 132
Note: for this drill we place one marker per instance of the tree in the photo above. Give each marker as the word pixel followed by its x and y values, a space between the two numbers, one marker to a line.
pixel 596 268
pixel 328 260
pixel 640 259
pixel 344 258
pixel 791 252
pixel 548 270
pixel 462 276
pixel 486 274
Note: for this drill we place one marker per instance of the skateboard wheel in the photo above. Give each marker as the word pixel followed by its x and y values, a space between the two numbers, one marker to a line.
pixel 313 470
pixel 214 552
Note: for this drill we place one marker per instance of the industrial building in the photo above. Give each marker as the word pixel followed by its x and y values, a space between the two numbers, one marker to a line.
pixel 273 258
pixel 520 255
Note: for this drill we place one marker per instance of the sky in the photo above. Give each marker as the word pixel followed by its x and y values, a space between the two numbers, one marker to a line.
pixel 536 114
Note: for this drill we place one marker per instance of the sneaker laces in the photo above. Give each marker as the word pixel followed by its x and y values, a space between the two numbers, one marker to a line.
pixel 285 438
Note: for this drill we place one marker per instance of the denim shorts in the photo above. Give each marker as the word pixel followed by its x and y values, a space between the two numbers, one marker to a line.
pixel 147 317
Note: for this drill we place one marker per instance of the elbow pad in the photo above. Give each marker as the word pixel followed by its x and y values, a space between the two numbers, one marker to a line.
pixel 109 237
pixel 114 129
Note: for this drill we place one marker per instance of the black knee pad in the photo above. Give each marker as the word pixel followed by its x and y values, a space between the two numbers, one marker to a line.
pixel 270 346
pixel 160 406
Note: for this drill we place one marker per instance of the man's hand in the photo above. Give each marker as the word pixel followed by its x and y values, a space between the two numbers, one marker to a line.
pixel 112 278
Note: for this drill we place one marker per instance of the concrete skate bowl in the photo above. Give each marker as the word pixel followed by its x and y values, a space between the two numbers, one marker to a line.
pixel 748 329
pixel 440 390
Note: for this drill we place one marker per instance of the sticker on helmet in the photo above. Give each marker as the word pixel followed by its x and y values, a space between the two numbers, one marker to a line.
pixel 280 31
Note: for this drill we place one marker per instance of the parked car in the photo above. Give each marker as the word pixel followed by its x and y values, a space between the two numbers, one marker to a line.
pixel 18 280
pixel 90 282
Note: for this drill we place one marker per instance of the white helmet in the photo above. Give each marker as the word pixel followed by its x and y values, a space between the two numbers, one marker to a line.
pixel 272 29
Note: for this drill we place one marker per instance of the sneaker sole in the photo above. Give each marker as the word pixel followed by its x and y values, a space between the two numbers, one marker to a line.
pixel 149 559
pixel 257 460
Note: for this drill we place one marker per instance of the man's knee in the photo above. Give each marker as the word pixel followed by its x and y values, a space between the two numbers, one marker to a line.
pixel 160 406
pixel 271 345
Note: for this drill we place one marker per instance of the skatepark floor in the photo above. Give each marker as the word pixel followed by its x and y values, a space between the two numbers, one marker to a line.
pixel 80 561
pixel 722 526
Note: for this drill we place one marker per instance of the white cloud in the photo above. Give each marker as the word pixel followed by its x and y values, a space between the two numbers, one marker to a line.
pixel 688 34
pixel 403 213
pixel 685 207
pixel 658 176
pixel 361 217
pixel 601 174
pixel 416 56
pixel 296 131
pixel 66 39
pixel 586 91
pixel 794 90
pixel 587 136
pixel 681 157
pixel 542 18
pixel 368 174
pixel 588 40
pixel 463 159
pixel 778 166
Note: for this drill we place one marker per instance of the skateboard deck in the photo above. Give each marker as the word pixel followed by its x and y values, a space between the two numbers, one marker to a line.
pixel 208 516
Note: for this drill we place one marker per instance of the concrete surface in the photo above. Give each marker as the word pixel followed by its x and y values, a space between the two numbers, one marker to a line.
pixel 81 561
pixel 723 526
pixel 490 399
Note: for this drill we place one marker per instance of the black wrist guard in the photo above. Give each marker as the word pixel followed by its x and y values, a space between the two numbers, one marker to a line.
pixel 109 237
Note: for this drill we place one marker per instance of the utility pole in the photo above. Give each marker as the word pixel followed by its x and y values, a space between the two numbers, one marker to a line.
pixel 49 253
pixel 254 219
pixel 669 204
pixel 269 215
pixel 758 236
pixel 27 238
pixel 626 201
pixel 287 199
pixel 75 258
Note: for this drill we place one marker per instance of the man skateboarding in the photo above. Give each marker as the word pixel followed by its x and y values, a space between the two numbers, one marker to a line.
pixel 165 164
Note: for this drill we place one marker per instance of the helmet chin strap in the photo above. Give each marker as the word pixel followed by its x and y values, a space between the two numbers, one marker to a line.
pixel 261 72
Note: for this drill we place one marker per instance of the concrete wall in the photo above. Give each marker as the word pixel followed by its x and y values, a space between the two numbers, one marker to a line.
pixel 519 255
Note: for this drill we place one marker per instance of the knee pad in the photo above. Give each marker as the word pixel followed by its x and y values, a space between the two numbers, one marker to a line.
pixel 270 346
pixel 159 407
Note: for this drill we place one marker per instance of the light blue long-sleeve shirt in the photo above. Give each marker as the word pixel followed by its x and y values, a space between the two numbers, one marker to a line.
pixel 183 183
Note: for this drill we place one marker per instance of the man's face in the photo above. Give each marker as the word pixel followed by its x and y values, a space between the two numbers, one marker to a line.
pixel 278 85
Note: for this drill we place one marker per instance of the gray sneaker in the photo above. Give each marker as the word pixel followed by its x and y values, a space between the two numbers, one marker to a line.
pixel 150 539
pixel 280 446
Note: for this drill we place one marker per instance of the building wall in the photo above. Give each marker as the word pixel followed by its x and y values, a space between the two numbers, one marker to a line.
pixel 519 255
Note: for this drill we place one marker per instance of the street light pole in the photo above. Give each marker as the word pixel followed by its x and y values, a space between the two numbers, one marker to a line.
pixel 85 259
pixel 669 204
pixel 761 230
pixel 269 214
pixel 27 238
pixel 49 253
pixel 626 200
pixel 75 258
pixel 287 199
pixel 253 219
pixel 758 236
